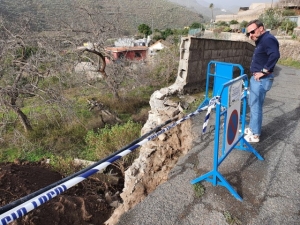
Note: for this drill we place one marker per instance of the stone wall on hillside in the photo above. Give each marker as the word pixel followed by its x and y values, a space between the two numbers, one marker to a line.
pixel 289 49
pixel 196 53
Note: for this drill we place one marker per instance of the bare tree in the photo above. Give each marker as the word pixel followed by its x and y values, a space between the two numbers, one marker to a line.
pixel 26 60
pixel 19 73
pixel 93 29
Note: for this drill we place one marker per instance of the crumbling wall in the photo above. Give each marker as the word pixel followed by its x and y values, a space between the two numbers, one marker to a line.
pixel 159 156
pixel 196 53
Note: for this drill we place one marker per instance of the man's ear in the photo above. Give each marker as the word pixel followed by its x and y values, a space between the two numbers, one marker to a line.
pixel 261 28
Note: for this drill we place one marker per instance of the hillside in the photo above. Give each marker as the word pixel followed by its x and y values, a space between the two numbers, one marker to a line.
pixel 127 14
pixel 202 7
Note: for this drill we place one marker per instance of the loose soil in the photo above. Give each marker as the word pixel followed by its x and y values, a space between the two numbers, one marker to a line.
pixel 82 204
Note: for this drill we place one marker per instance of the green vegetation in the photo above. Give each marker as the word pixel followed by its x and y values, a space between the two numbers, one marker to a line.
pixel 199 190
pixel 271 18
pixel 243 24
pixel 144 29
pixel 57 105
pixel 110 139
pixel 289 62
pixel 288 26
pixel 25 52
pixel 233 22
pixel 288 12
pixel 173 35
pixel 231 220
pixel 197 25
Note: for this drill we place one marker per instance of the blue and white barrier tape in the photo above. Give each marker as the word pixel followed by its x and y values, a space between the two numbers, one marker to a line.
pixel 212 104
pixel 35 202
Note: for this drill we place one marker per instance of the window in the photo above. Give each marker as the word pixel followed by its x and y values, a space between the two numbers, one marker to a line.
pixel 137 55
pixel 121 55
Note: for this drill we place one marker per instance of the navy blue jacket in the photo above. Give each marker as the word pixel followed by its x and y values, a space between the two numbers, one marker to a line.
pixel 266 53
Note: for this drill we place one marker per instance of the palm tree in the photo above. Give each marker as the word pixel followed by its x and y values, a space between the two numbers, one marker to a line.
pixel 211 6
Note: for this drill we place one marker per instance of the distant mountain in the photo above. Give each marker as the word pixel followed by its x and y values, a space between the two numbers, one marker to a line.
pixel 202 7
pixel 128 14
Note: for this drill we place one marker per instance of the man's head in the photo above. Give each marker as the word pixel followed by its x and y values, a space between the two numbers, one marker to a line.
pixel 255 28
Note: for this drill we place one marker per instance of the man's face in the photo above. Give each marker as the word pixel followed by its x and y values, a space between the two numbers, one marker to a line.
pixel 254 31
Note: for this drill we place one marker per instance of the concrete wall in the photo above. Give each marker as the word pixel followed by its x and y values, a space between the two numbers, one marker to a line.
pixel 196 53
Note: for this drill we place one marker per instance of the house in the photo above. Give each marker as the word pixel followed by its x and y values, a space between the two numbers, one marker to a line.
pixel 130 42
pixel 133 53
pixel 158 46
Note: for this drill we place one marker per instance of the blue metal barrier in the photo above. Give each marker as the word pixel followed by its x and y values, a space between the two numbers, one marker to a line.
pixel 237 142
pixel 221 72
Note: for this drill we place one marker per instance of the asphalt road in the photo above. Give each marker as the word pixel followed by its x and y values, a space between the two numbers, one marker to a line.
pixel 269 188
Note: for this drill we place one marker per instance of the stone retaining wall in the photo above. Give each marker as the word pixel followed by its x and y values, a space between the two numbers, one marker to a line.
pixel 196 53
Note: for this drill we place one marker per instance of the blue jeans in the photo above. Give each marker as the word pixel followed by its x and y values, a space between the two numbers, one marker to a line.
pixel 258 90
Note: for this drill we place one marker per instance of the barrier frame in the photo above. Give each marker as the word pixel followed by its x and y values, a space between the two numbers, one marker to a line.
pixel 214 176
pixel 223 73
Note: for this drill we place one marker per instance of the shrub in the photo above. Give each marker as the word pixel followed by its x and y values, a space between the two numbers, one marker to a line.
pixel 222 23
pixel 288 26
pixel 233 22
pixel 288 12
pixel 110 139
pixel 226 29
pixel 243 24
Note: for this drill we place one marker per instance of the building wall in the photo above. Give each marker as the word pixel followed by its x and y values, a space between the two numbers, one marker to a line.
pixel 134 55
pixel 196 53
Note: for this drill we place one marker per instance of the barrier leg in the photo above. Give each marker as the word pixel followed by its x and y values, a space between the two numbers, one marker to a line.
pixel 251 149
pixel 215 176
pixel 217 179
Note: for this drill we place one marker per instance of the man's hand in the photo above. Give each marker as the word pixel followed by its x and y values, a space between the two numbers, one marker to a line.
pixel 258 75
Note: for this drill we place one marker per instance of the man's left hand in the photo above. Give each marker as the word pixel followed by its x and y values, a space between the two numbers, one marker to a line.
pixel 258 75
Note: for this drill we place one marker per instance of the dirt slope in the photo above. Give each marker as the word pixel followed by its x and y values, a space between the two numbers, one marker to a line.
pixel 81 204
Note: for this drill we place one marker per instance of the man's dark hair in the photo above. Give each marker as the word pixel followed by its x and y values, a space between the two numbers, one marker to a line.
pixel 257 22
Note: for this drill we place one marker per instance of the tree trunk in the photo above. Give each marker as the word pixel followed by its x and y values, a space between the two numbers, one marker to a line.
pixel 23 119
pixel 112 87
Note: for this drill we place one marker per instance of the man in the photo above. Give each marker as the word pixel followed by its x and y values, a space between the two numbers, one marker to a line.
pixel 264 59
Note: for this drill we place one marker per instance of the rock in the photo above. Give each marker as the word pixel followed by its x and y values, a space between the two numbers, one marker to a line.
pixel 115 204
pixel 162 137
pixel 82 162
pixel 108 198
pixel 113 180
pixel 169 102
